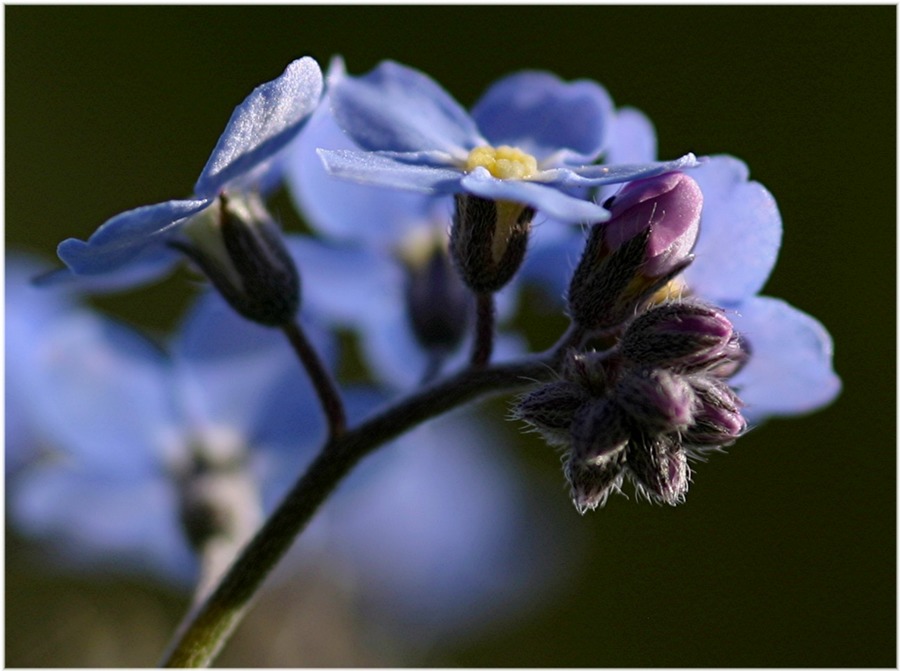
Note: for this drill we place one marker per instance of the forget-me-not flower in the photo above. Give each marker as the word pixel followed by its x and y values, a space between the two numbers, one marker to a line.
pixel 531 139
pixel 376 246
pixel 135 245
pixel 435 529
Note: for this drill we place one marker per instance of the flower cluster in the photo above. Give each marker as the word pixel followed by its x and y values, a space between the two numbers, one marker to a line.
pixel 426 222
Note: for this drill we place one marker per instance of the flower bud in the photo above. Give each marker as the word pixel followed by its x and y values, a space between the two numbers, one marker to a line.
pixel 683 335
pixel 437 302
pixel 733 357
pixel 659 467
pixel 657 400
pixel 239 248
pixel 718 421
pixel 598 429
pixel 592 483
pixel 550 409
pixel 646 243
pixel 488 240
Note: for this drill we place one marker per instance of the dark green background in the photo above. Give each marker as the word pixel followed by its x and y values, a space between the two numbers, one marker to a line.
pixel 784 554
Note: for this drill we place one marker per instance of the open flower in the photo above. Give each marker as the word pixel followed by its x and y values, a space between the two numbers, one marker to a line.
pixel 377 253
pixel 531 140
pixel 134 245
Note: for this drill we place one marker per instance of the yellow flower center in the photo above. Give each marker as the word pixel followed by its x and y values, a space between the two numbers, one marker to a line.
pixel 502 162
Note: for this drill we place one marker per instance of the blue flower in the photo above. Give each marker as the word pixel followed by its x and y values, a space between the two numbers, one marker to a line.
pixel 371 241
pixel 113 423
pixel 437 529
pixel 134 245
pixel 531 139
pixel 790 369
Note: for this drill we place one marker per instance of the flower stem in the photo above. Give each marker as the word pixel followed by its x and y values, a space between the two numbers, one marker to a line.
pixel 484 330
pixel 208 626
pixel 322 381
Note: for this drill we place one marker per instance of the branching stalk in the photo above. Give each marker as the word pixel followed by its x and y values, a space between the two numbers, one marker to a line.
pixel 208 626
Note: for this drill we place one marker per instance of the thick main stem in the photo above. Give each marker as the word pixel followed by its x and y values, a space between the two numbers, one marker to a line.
pixel 209 625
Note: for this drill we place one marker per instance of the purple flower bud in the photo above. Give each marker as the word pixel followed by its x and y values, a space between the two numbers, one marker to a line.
pixel 590 370
pixel 684 335
pixel 660 469
pixel 598 429
pixel 592 483
pixel 669 206
pixel 718 420
pixel 551 408
pixel 732 358
pixel 645 244
pixel 657 400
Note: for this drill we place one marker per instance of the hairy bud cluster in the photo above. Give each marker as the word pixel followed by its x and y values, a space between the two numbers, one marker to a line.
pixel 641 409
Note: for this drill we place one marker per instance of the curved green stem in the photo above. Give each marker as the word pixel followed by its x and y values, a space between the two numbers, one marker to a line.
pixel 208 626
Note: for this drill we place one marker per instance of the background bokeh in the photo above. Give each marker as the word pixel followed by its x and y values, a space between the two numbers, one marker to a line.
pixel 784 554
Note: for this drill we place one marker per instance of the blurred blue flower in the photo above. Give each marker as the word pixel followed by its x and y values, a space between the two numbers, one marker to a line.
pixel 530 139
pixel 134 244
pixel 436 529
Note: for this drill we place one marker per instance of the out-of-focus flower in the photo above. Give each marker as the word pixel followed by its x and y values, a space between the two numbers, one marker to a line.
pixel 135 245
pixel 122 427
pixel 531 140
pixel 433 532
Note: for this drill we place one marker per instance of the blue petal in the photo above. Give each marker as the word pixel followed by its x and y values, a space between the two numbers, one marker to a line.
pixel 343 209
pixel 99 392
pixel 790 369
pixel 263 124
pixel 547 199
pixel 631 138
pixel 596 175
pixel 137 235
pixel 245 378
pixel 396 108
pixel 96 521
pixel 438 530
pixel 740 233
pixel 542 115
pixel 344 286
pixel 554 252
pixel 389 170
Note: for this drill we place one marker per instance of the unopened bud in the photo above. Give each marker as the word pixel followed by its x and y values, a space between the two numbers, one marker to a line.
pixel 657 400
pixel 550 409
pixel 733 357
pixel 239 248
pixel 592 483
pixel 718 421
pixel 438 303
pixel 646 243
pixel 599 429
pixel 683 335
pixel 488 240
pixel 659 467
